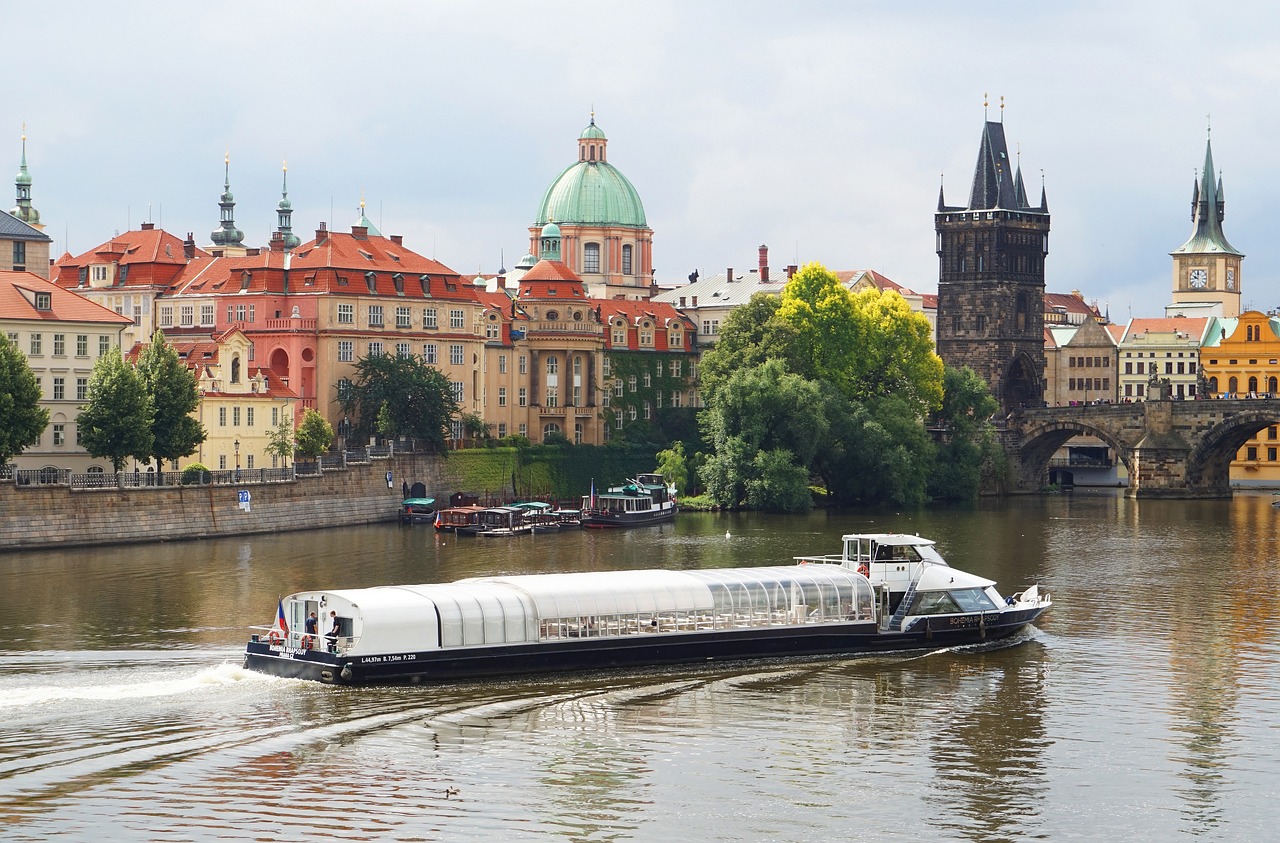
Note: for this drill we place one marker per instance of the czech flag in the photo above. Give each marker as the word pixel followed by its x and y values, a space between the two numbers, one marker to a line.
pixel 281 624
pixel 593 493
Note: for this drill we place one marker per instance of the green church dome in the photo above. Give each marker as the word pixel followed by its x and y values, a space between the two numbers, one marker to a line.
pixel 592 193
pixel 592 132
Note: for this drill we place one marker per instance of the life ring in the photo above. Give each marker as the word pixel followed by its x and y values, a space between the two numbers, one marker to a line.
pixel 864 570
pixel 273 637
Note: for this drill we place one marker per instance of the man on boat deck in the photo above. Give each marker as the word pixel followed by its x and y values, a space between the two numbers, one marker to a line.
pixel 313 628
pixel 332 637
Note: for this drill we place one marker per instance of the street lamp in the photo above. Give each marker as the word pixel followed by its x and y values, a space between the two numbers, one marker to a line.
pixel 236 445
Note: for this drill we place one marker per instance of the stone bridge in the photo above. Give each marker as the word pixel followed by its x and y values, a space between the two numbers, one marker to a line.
pixel 1172 449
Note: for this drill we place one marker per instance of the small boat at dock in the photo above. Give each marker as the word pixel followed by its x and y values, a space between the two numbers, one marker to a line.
pixel 648 499
pixel 883 592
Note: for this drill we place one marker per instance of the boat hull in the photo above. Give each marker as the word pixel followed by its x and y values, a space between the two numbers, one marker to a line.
pixel 597 520
pixel 634 651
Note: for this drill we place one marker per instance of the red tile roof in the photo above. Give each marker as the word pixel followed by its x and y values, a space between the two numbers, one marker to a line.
pixel 17 301
pixel 153 256
pixel 551 280
pixel 1193 326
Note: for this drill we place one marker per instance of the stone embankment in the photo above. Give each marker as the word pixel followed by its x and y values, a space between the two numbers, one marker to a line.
pixel 56 516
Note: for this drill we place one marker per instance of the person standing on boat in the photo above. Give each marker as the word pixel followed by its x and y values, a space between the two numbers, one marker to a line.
pixel 313 629
pixel 332 636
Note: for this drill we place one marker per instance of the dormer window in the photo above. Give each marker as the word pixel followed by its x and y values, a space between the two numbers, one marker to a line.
pixel 245 278
pixel 425 281
pixel 398 280
pixel 44 301
pixel 371 281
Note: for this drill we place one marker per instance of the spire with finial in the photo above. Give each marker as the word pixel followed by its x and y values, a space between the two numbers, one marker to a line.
pixel 227 234
pixel 363 221
pixel 24 210
pixel 284 213
pixel 1208 210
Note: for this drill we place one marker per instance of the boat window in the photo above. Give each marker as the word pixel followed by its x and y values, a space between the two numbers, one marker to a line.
pixel 934 603
pixel 972 600
pixel 897 553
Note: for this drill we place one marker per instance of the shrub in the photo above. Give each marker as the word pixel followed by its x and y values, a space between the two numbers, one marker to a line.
pixel 195 474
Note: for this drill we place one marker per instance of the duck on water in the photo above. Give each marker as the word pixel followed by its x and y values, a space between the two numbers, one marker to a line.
pixel 882 592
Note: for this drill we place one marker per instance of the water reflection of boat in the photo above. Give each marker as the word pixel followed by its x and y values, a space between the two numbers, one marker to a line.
pixel 883 592
pixel 648 499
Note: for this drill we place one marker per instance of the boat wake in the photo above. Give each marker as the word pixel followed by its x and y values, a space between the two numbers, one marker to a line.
pixel 148 685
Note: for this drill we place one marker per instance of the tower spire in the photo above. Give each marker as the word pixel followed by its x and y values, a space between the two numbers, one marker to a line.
pixel 284 212
pixel 227 234
pixel 22 182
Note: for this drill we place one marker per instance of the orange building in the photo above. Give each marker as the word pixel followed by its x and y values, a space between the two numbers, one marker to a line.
pixel 1241 358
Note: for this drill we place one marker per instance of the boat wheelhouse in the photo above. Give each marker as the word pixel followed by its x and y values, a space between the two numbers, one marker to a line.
pixel 884 592
pixel 648 499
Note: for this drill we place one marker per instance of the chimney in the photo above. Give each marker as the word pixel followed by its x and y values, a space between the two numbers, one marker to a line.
pixel 695 301
pixel 189 246
pixel 277 242
pixel 360 232
pixel 728 274
pixel 322 234
pixel 252 252
pixel 398 239
pixel 791 271
pixel 682 301
pixel 148 226
pixel 764 264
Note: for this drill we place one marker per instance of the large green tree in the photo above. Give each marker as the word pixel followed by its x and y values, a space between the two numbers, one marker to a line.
pixel 401 396
pixel 315 434
pixel 175 432
pixel 22 419
pixel 969 457
pixel 116 422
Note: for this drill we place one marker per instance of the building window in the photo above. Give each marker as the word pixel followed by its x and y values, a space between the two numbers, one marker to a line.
pixel 502 396
pixel 235 416
pixel 346 314
pixel 675 399
pixel 646 336
pixel 617 387
pixel 626 260
pixel 248 419
pixel 606 367
pixel 240 311
pixel 104 344
pixel 403 350
pixel 648 380
pixel 553 365
pixel 618 336
pixel 430 354
pixel 206 314
pixel 19 256
pixel 428 317
pixel 222 417
pixel 59 389
pixel 502 430
pixel 522 398
pixel 60 435
pixel 631 413
pixel 166 316
pixel 631 383
pixel 403 317
pixel 375 316
pixel 502 364
pixel 248 461
pixel 186 315
pixel 677 368
pixel 59 345
pixel 455 354
pixel 675 338
pixel 346 351
pixel 82 389
pixel 375 349
pixel 524 365
pixel 648 410
pixel 457 319
pixel 36 344
pixel 457 387
pixel 553 397
pixel 591 258
pixel 222 462
pixel 99 273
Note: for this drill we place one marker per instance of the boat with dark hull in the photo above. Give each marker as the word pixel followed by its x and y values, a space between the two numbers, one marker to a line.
pixel 884 592
pixel 648 499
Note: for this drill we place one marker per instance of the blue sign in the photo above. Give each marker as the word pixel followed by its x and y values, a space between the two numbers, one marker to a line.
pixel 244 496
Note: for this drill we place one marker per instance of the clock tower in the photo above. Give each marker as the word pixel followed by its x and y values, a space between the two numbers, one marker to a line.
pixel 1206 269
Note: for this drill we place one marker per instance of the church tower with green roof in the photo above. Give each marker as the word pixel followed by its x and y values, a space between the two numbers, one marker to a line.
pixel 604 235
pixel 1206 268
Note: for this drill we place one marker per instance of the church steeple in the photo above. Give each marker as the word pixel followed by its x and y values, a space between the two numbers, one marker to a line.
pixel 24 210
pixel 284 213
pixel 1208 209
pixel 592 143
pixel 227 234
pixel 1206 268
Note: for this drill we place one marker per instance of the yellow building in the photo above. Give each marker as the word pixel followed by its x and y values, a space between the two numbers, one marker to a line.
pixel 1241 359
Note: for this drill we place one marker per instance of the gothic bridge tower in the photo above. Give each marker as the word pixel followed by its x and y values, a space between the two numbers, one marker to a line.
pixel 991 278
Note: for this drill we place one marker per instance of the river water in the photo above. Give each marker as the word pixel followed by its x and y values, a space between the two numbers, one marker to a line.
pixel 1143 707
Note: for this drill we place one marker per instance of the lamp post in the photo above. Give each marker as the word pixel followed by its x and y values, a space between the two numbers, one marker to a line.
pixel 236 445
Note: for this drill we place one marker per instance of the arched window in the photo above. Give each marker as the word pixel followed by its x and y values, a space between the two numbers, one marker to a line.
pixel 553 365
pixel 1253 384
pixel 1271 385
pixel 591 258
pixel 626 259
pixel 593 153
pixel 577 433
pixel 1213 385
pixel 1233 385
pixel 548 429
pixel 235 369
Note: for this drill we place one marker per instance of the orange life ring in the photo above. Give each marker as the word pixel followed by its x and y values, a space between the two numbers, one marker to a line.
pixel 864 570
pixel 273 637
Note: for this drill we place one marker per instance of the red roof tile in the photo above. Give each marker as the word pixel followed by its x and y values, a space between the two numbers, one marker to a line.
pixel 17 301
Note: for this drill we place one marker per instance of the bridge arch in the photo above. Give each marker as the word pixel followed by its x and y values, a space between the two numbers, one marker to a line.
pixel 1040 441
pixel 1209 462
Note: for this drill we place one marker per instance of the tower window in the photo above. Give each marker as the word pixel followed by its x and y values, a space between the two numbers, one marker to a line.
pixel 591 258
pixel 626 260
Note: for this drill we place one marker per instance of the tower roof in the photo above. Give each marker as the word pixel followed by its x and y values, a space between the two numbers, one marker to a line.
pixel 592 191
pixel 997 181
pixel 1208 209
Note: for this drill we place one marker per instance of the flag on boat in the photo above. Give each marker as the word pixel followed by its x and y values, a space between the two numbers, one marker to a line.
pixel 280 624
pixel 593 493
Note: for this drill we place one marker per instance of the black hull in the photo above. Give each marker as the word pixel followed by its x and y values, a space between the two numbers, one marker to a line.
pixel 633 651
pixel 628 519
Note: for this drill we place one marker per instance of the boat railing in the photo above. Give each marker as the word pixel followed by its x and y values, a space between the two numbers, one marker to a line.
pixel 301 640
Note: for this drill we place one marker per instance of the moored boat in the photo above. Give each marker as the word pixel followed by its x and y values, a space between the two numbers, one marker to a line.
pixel 418 510
pixel 883 592
pixel 456 518
pixel 648 499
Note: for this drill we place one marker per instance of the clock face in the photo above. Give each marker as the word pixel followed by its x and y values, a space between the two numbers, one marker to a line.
pixel 1231 279
pixel 1199 278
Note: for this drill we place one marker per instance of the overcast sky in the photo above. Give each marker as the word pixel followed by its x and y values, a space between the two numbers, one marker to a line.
pixel 819 129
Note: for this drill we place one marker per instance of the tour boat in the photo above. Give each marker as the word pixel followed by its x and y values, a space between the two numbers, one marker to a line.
pixel 883 592
pixel 648 499
pixel 456 518
pixel 416 510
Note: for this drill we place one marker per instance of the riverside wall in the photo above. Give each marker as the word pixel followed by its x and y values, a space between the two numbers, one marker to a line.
pixel 358 494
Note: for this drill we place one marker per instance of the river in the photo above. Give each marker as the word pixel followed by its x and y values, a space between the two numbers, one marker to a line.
pixel 1143 707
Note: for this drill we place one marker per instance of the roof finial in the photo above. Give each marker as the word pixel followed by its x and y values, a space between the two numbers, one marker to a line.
pixel 593 114
pixel 1002 108
pixel 1208 126
pixel 984 105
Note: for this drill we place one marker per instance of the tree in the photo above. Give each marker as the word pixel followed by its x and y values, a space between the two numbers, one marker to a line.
pixel 749 336
pixel 22 419
pixel 116 422
pixel 175 432
pixel 969 455
pixel 280 441
pixel 401 396
pixel 315 434
pixel 673 466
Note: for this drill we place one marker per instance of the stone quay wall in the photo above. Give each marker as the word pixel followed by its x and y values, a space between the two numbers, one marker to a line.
pixel 56 516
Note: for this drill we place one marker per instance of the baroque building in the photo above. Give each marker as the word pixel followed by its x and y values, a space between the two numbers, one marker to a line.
pixel 991 286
